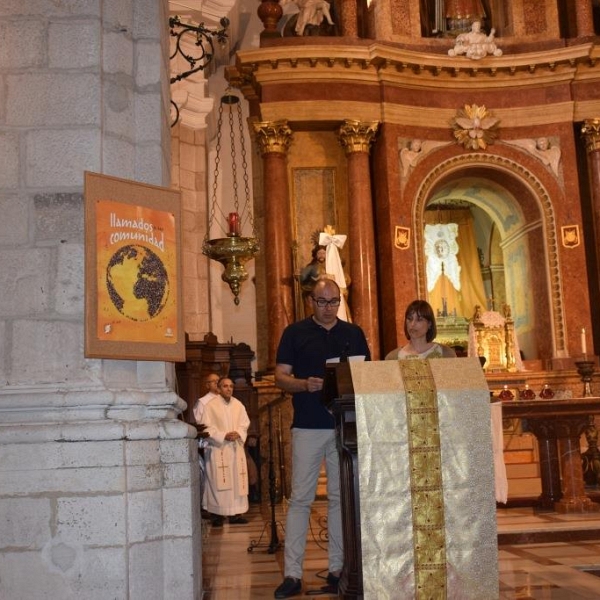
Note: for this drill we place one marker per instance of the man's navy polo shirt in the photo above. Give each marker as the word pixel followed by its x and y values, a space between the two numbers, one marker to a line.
pixel 306 346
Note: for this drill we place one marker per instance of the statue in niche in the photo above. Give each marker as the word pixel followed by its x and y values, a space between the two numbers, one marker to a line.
pixel 542 149
pixel 476 44
pixel 326 263
pixel 461 14
pixel 314 270
pixel 449 17
pixel 310 16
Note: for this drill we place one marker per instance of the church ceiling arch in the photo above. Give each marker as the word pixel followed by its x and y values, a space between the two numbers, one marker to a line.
pixel 515 200
pixel 495 200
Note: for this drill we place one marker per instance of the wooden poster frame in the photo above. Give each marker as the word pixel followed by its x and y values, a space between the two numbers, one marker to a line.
pixel 132 236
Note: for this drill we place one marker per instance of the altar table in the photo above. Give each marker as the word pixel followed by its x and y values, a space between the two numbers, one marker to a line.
pixel 557 426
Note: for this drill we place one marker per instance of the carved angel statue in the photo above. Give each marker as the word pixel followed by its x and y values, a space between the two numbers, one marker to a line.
pixel 414 152
pixel 474 127
pixel 542 149
pixel 310 12
pixel 475 44
pixel 410 155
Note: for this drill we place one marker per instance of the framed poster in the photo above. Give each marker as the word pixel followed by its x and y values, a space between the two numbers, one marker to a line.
pixel 133 280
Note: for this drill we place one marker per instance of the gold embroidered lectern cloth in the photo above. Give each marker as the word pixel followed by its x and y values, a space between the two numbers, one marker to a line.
pixel 426 480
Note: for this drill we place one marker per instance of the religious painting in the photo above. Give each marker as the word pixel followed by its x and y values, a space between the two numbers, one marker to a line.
pixel 314 200
pixel 570 236
pixel 133 271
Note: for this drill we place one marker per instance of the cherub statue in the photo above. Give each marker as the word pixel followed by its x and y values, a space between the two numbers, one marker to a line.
pixel 410 156
pixel 475 44
pixel 416 149
pixel 542 149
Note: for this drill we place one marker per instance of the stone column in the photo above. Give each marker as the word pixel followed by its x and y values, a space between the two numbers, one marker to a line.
pixel 99 478
pixel 584 18
pixel 356 137
pixel 348 23
pixel 274 138
pixel 591 133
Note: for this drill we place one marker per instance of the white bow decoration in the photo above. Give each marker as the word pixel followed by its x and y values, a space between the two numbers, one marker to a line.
pixel 333 267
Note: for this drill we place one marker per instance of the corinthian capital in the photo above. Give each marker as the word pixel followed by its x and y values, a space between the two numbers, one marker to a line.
pixel 357 136
pixel 272 136
pixel 591 133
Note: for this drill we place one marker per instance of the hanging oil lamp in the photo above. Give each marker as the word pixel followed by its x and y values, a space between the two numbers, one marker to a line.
pixel 234 250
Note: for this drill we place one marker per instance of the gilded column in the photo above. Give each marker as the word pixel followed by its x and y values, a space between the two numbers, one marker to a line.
pixel 356 137
pixel 591 133
pixel 584 18
pixel 274 138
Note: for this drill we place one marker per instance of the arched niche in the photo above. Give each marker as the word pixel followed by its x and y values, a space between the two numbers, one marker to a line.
pixel 521 230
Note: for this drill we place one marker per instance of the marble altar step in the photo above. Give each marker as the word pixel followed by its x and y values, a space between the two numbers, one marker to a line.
pixel 525 526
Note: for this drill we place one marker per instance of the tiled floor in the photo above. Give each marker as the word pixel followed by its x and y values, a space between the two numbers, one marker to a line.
pixel 532 564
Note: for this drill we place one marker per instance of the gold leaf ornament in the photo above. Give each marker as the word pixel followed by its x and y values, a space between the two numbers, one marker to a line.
pixel 475 127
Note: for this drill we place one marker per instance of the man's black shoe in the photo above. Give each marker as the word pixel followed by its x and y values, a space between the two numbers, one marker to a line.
pixel 290 587
pixel 217 522
pixel 333 582
pixel 237 520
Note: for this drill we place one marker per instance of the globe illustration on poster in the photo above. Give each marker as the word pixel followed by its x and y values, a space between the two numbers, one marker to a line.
pixel 137 282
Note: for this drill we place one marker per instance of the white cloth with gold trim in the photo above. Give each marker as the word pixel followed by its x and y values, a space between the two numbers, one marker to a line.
pixel 426 480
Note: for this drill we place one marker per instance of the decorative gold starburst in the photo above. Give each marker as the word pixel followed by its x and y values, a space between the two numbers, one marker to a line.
pixel 475 127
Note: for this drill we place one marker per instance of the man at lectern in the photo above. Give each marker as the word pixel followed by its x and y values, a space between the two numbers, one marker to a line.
pixel 304 349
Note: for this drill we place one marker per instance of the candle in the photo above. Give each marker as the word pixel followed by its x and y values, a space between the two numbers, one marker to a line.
pixel 583 343
pixel 234 223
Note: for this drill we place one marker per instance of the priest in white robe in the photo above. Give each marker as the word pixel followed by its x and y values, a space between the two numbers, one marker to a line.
pixel 227 422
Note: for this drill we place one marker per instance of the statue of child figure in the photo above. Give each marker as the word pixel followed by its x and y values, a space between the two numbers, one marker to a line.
pixel 475 44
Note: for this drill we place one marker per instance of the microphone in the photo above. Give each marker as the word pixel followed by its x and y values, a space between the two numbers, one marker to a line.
pixel 345 353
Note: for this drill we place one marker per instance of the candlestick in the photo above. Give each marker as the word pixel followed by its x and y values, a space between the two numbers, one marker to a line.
pixel 583 342
pixel 585 368
pixel 234 223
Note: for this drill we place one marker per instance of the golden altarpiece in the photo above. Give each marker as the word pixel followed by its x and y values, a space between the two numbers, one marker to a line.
pixel 398 117
pixel 376 123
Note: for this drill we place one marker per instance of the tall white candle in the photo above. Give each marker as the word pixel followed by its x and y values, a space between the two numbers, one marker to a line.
pixel 583 342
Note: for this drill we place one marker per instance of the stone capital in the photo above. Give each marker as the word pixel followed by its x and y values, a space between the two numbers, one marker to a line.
pixel 272 136
pixel 357 136
pixel 591 133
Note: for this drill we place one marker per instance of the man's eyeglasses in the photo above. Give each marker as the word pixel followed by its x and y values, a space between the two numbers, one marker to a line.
pixel 322 303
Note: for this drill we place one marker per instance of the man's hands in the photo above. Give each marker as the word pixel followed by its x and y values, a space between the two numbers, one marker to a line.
pixel 314 384
pixel 287 382
pixel 233 436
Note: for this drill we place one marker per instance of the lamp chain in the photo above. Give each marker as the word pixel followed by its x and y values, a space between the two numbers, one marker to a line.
pixel 247 208
pixel 231 99
pixel 236 202
pixel 216 176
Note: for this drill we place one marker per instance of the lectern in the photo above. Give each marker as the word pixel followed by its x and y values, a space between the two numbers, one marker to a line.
pixel 424 483
pixel 338 396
